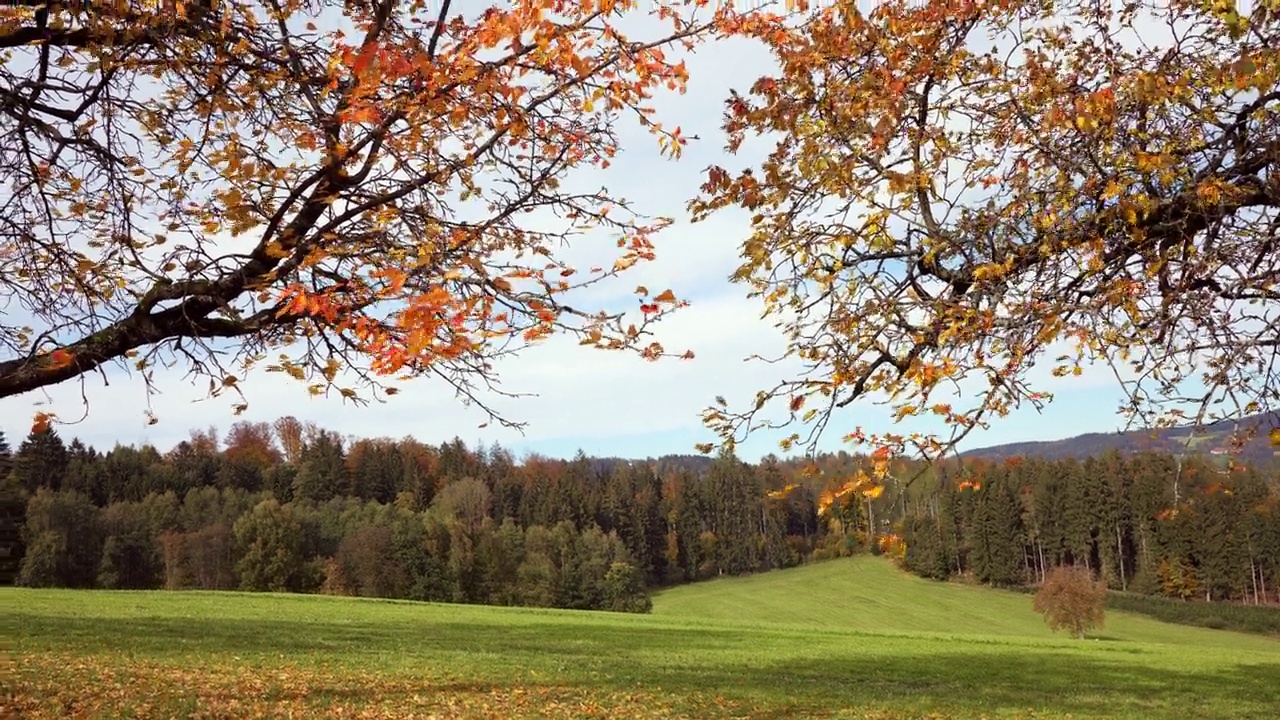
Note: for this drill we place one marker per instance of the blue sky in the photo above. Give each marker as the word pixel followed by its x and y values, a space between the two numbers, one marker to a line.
pixel 604 403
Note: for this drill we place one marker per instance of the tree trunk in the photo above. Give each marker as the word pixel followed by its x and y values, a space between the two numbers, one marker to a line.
pixel 1044 571
pixel 1142 536
pixel 1124 583
pixel 1253 574
pixel 871 525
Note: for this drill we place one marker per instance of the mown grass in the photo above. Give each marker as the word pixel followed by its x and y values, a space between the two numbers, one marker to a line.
pixel 863 599
pixel 845 639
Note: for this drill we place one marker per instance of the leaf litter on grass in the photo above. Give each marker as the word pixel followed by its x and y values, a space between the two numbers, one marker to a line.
pixel 47 686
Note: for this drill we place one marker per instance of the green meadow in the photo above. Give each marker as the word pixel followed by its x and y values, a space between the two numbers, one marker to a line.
pixel 840 639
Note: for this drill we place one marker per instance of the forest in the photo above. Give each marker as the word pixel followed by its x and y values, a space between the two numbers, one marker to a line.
pixel 290 506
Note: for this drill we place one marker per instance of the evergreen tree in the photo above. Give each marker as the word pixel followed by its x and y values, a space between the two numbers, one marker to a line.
pixel 41 461
pixel 322 474
pixel 13 507
pixel 1000 556
pixel 6 457
pixel 737 501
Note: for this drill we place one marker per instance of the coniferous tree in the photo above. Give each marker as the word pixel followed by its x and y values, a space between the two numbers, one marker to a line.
pixel 999 519
pixel 322 474
pixel 12 516
pixel 734 522
pixel 41 461
pixel 6 456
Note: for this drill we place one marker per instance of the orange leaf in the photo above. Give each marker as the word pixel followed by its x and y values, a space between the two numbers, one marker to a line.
pixel 61 358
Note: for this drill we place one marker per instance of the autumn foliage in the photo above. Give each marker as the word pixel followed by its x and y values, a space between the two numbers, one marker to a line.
pixel 344 192
pixel 960 192
pixel 1070 598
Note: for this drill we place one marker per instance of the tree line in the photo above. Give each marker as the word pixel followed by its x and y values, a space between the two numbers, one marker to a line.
pixel 293 507
pixel 1147 523
pixel 290 506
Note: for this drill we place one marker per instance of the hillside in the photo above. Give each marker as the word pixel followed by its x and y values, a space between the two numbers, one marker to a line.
pixel 868 594
pixel 1207 439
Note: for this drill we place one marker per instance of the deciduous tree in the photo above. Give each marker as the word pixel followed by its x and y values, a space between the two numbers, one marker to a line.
pixel 960 191
pixel 1071 598
pixel 382 187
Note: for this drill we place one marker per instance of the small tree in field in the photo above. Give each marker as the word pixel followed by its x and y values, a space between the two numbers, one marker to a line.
pixel 1071 598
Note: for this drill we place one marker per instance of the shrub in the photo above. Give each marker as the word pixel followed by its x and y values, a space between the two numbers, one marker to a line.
pixel 1260 619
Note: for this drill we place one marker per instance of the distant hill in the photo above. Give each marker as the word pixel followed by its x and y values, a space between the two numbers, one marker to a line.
pixel 1209 440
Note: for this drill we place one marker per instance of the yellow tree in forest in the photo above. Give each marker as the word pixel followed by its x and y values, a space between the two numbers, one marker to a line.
pixel 373 189
pixel 959 191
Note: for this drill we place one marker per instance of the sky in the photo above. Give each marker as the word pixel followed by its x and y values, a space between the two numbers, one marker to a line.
pixel 604 403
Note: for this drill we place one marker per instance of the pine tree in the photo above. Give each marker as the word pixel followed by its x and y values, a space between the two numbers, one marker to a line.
pixel 6 457
pixel 1000 532
pixel 13 506
pixel 41 461
pixel 322 474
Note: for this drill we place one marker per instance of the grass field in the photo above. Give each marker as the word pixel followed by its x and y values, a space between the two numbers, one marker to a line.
pixel 843 639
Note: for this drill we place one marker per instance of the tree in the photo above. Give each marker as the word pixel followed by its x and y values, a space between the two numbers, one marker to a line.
pixel 962 190
pixel 370 189
pixel 41 460
pixel 12 517
pixel 6 457
pixel 269 543
pixel 63 540
pixel 467 500
pixel 254 443
pixel 998 542
pixel 367 562
pixel 292 435
pixel 1071 598
pixel 323 472
pixel 131 556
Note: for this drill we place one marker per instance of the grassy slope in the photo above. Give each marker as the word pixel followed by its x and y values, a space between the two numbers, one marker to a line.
pixel 845 639
pixel 867 595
